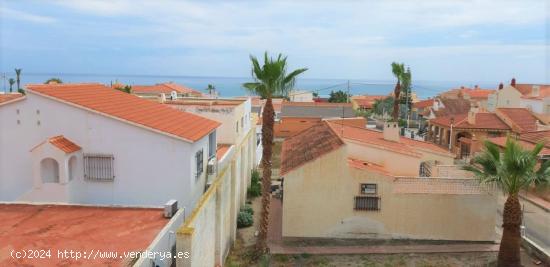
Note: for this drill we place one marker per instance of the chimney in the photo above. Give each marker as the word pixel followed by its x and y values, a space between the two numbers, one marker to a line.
pixel 476 86
pixel 472 115
pixel 162 97
pixel 500 86
pixel 391 131
pixel 513 82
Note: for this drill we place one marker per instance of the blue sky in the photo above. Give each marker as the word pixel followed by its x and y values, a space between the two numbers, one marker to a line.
pixel 440 40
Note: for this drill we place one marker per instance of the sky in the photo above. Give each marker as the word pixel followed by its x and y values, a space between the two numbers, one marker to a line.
pixel 490 40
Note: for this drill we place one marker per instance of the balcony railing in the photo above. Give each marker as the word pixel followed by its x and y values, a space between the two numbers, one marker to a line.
pixel 439 185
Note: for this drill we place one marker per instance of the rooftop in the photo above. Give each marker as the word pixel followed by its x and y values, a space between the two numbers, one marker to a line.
pixel 307 146
pixel 536 137
pixel 205 102
pixel 221 150
pixel 367 101
pixel 365 165
pixel 376 138
pixel 80 228
pixel 166 88
pixel 128 108
pixel 424 103
pixel 521 117
pixel 10 97
pixel 501 141
pixel 64 144
pixel 483 120
pixel 317 110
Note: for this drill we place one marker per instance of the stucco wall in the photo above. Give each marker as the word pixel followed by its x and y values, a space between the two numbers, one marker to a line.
pixel 150 168
pixel 210 230
pixel 319 202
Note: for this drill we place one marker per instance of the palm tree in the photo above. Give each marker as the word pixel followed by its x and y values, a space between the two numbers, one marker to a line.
pixel 11 81
pixel 270 79
pixel 18 74
pixel 403 83
pixel 512 171
pixel 210 88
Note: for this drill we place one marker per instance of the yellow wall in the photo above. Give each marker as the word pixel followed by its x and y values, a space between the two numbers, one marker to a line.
pixel 319 200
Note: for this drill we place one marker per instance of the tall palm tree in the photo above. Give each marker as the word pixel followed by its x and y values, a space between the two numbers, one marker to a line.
pixel 511 171
pixel 270 79
pixel 397 70
pixel 18 74
pixel 211 88
pixel 11 81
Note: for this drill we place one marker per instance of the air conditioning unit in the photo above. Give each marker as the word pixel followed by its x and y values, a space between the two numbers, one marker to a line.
pixel 170 208
pixel 211 167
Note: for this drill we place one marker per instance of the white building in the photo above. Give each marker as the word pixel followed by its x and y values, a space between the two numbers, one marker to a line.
pixel 90 144
pixel 300 96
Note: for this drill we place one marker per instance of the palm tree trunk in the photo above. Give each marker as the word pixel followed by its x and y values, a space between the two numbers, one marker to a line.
pixel 267 142
pixel 509 252
pixel 397 93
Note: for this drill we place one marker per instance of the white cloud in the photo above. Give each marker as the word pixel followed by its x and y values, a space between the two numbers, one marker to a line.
pixel 9 13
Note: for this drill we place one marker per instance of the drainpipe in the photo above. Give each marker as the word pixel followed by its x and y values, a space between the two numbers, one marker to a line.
pixel 451 135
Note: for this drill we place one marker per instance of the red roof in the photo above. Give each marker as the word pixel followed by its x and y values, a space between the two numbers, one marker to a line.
pixel 77 228
pixel 367 101
pixel 526 89
pixel 365 165
pixel 536 137
pixel 376 138
pixel 166 88
pixel 64 144
pixel 501 141
pixel 424 103
pixel 129 108
pixel 521 117
pixel 483 120
pixel 307 146
pixel 10 97
pixel 221 150
pixel 478 93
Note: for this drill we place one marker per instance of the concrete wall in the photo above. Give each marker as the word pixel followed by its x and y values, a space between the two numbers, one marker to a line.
pixel 209 232
pixel 150 168
pixel 535 105
pixel 319 202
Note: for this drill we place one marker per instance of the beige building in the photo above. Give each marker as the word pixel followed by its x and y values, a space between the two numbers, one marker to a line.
pixel 360 183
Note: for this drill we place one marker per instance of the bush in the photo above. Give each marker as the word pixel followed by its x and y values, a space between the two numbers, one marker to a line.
pixel 244 219
pixel 248 209
pixel 255 188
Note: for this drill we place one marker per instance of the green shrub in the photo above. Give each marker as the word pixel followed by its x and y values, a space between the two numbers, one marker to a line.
pixel 248 209
pixel 254 190
pixel 255 176
pixel 244 219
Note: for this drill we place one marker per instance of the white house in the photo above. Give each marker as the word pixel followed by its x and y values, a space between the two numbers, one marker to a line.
pixel 90 144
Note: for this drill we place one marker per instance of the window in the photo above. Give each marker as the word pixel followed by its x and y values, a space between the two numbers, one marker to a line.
pixel 242 122
pixel 237 127
pixel 367 203
pixel 368 189
pixel 99 167
pixel 212 145
pixel 199 163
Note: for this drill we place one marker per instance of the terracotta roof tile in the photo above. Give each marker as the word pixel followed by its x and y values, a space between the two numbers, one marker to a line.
pixel 501 141
pixel 64 144
pixel 307 146
pixel 453 107
pixel 366 101
pixel 221 150
pixel 483 120
pixel 365 165
pixel 536 137
pixel 521 117
pixel 376 138
pixel 424 103
pixel 129 108
pixel 9 97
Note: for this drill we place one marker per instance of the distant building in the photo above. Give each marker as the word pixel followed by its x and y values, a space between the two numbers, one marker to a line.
pixel 349 182
pixel 317 110
pixel 535 97
pixel 168 89
pixel 300 96
pixel 365 102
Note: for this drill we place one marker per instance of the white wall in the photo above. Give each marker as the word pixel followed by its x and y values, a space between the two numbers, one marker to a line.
pixel 150 168
pixel 536 105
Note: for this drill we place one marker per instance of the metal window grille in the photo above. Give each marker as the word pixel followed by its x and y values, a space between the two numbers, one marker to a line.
pixel 99 167
pixel 367 203
pixel 200 164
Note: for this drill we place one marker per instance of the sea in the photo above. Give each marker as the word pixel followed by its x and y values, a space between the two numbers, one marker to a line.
pixel 232 86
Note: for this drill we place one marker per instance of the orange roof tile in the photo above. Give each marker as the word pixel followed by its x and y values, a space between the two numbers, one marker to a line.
pixel 367 101
pixel 526 89
pixel 77 228
pixel 501 141
pixel 221 150
pixel 10 97
pixel 521 117
pixel 536 137
pixel 316 104
pixel 376 138
pixel 64 144
pixel 307 146
pixel 424 103
pixel 129 108
pixel 483 120
pixel 478 93
pixel 166 88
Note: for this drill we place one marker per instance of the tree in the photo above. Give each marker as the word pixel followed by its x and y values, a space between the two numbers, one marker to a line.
pixel 338 97
pixel 403 85
pixel 53 80
pixel 211 88
pixel 270 79
pixel 512 171
pixel 382 106
pixel 11 81
pixel 18 74
pixel 126 89
pixel 315 94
